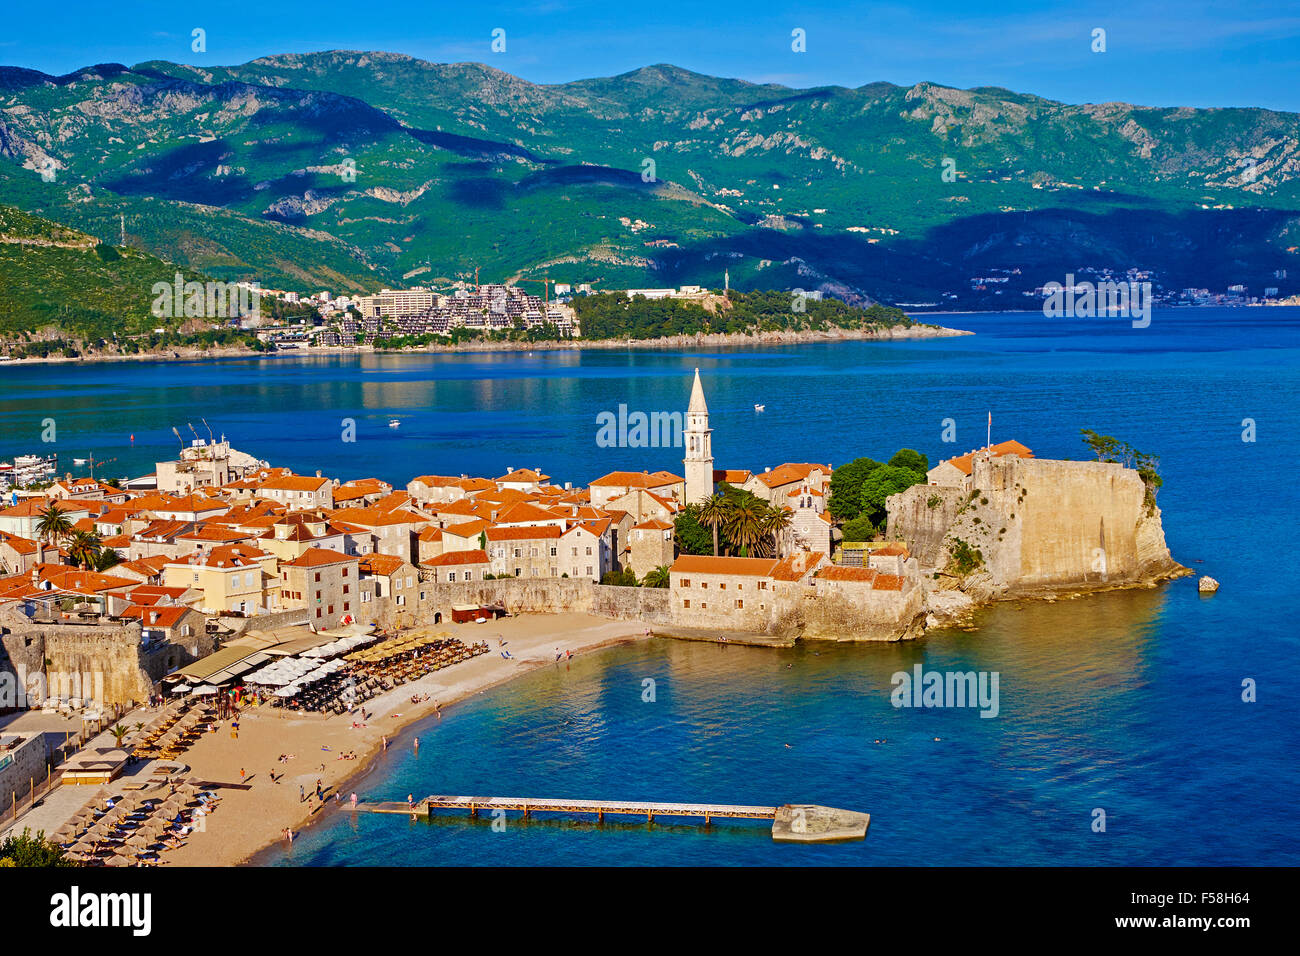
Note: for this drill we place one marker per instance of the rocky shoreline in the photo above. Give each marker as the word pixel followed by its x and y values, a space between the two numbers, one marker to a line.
pixel 701 340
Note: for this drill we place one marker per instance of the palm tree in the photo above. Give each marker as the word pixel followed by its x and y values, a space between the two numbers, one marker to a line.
pixel 713 513
pixel 775 523
pixel 54 525
pixel 744 527
pixel 118 733
pixel 656 578
pixel 83 548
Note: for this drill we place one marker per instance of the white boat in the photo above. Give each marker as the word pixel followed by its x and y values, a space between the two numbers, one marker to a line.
pixel 78 461
pixel 759 408
pixel 393 423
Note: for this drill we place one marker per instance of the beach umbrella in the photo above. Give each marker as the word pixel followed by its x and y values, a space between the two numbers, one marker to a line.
pixel 181 689
pixel 117 861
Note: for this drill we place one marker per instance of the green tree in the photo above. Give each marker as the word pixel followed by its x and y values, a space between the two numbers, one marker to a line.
pixel 846 488
pixel 83 548
pixel 775 522
pixel 624 578
pixel 105 559
pixel 744 527
pixel 881 483
pixel 28 850
pixel 859 529
pixel 910 458
pixel 53 525
pixel 691 536
pixel 1103 446
pixel 713 513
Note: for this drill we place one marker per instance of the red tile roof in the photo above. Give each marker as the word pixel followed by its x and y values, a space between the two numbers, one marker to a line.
pixel 708 564
pixel 319 557
pixel 527 533
pixel 963 463
pixel 458 557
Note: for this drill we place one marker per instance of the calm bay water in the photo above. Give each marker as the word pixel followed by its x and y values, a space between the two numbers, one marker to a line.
pixel 1128 702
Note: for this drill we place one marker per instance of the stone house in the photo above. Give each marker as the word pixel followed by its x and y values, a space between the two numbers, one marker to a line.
pixel 524 552
pixel 650 545
pixel 326 583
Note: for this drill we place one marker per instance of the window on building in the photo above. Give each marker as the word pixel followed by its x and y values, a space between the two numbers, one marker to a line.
pixel 317 575
pixel 686 603
pixel 740 604
pixel 686 582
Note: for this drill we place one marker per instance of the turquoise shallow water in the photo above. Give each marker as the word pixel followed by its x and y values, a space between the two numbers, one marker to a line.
pixel 1128 702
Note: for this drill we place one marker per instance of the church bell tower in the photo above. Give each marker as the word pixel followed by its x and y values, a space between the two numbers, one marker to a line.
pixel 699 446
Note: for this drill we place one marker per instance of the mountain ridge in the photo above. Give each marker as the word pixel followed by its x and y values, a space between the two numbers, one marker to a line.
pixel 464 166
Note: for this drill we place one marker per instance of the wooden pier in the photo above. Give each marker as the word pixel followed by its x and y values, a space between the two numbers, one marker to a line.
pixel 801 822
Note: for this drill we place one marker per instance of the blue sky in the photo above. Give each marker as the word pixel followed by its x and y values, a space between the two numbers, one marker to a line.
pixel 1158 52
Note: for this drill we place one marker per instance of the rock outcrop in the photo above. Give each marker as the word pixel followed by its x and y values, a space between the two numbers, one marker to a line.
pixel 1028 527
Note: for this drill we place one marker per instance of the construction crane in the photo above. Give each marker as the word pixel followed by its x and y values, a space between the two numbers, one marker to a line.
pixel 546 287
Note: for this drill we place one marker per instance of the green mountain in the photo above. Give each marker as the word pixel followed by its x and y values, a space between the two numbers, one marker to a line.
pixel 349 170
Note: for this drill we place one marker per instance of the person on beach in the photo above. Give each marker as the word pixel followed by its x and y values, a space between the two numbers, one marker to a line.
pixel 302 793
pixel 243 775
pixel 354 800
pixel 384 738
pixel 410 801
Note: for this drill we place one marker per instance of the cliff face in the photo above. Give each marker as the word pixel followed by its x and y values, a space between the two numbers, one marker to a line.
pixel 1036 526
pixel 921 516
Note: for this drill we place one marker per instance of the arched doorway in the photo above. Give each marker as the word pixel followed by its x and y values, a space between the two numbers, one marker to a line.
pixel 437 617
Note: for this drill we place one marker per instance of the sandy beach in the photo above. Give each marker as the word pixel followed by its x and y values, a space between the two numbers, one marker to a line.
pixel 249 820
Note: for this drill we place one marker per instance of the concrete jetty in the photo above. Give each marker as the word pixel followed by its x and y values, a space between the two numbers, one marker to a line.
pixel 794 823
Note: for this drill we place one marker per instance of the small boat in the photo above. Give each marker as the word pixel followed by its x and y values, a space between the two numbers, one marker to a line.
pixel 393 423
pixel 78 461
pixel 759 408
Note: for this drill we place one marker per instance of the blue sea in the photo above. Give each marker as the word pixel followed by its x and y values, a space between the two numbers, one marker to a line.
pixel 1128 703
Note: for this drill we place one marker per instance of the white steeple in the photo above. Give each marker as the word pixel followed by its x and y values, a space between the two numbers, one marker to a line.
pixel 698 462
